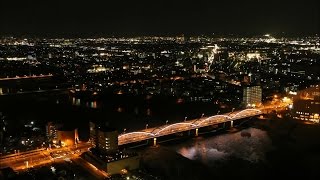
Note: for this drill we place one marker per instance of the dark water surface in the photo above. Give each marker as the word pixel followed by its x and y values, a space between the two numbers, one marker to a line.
pixel 119 111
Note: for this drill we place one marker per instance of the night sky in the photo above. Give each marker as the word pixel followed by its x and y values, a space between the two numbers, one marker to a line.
pixel 157 17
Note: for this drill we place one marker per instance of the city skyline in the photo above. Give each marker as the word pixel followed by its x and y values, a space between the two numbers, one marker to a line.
pixel 159 90
pixel 108 108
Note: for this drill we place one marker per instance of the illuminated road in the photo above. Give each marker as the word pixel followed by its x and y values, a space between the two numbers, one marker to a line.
pixel 36 91
pixel 25 77
pixel 34 158
pixel 20 161
pixel 168 129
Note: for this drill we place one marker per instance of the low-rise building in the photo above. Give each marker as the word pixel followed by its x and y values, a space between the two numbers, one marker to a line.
pixel 67 136
pixel 61 135
pixel 113 164
pixel 306 104
pixel 104 138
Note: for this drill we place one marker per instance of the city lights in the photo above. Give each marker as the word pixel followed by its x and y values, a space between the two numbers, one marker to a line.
pixel 105 106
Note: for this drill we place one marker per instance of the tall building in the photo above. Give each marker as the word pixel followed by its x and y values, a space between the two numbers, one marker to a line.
pixel 106 156
pixel 51 130
pixel 104 138
pixel 252 96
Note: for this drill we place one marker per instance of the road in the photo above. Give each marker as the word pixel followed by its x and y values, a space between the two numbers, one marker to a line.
pixel 20 161
pixel 36 91
pixel 35 158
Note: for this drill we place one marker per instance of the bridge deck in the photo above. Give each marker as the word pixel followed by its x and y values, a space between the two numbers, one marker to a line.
pixel 164 130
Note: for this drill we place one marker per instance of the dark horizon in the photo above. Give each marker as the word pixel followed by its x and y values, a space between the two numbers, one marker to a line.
pixel 127 35
pixel 126 18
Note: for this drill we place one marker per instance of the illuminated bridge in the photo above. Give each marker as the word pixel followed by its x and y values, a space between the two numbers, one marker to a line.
pixel 153 133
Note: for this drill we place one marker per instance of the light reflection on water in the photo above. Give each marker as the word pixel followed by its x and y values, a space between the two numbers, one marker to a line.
pixel 136 112
pixel 95 104
pixel 221 147
pixel 149 113
pixel 91 104
pixel 4 90
pixel 202 153
pixel 119 109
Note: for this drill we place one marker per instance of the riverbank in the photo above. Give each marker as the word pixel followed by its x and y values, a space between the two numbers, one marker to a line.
pixel 297 147
pixel 269 149
pixel 169 165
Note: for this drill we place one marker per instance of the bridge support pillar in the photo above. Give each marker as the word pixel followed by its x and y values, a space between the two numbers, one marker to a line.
pixel 154 141
pixel 197 132
pixel 231 124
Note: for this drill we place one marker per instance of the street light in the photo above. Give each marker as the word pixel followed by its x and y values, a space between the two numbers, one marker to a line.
pixel 147 126
pixel 185 118
pixel 124 130
pixel 167 122
pixel 218 112
pixel 202 115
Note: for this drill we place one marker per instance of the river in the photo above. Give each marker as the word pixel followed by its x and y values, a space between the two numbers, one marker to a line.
pixel 119 111
pixel 250 145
